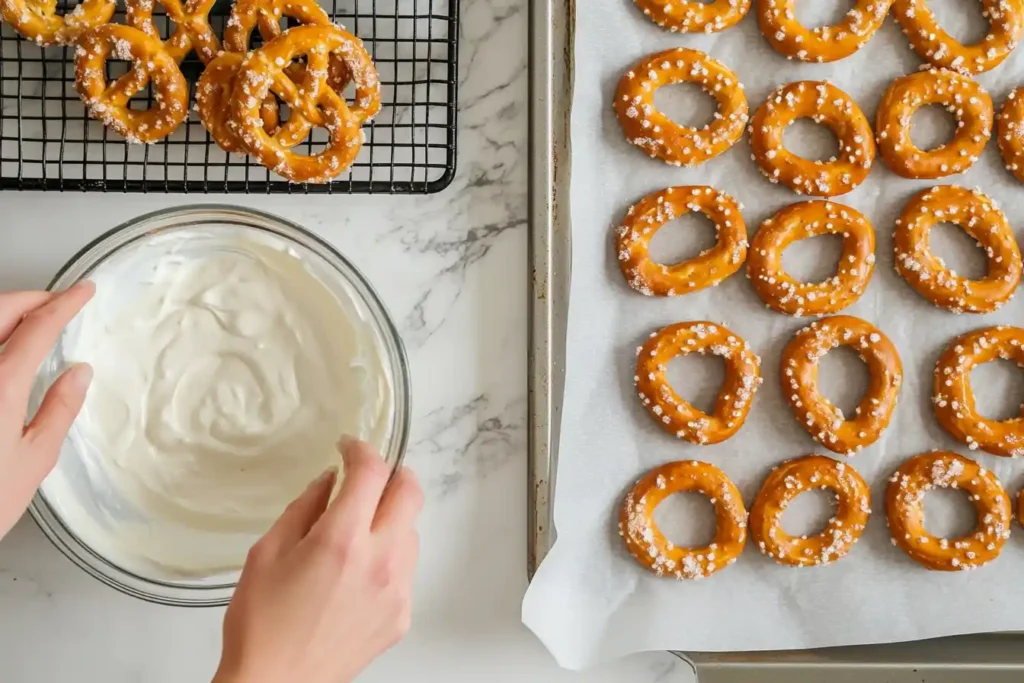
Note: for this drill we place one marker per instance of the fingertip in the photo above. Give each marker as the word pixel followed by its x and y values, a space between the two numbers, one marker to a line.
pixel 80 376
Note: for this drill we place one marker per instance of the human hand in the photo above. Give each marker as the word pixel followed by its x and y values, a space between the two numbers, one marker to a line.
pixel 329 588
pixel 30 324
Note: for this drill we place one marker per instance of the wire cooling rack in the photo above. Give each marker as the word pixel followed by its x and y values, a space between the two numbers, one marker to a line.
pixel 48 143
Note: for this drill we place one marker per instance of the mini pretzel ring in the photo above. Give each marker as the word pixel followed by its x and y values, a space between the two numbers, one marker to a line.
pixel 789 37
pixel 192 26
pixel 213 93
pixel 693 16
pixel 264 71
pixel 150 63
pixel 823 103
pixel 38 21
pixel 904 510
pixel 819 416
pixel 954 398
pixel 673 413
pixel 980 218
pixel 789 480
pixel 932 43
pixel 648 544
pixel 779 290
pixel 1010 133
pixel 651 214
pixel 961 96
pixel 660 137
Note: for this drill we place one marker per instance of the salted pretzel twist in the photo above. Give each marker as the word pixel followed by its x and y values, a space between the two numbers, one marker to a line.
pixel 953 395
pixel 38 21
pixel 192 26
pixel 653 212
pixel 151 64
pixel 648 545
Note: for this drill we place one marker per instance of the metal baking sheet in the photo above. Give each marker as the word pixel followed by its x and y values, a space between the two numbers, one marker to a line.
pixel 995 658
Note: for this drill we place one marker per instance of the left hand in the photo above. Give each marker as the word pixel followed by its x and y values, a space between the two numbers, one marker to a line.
pixel 30 324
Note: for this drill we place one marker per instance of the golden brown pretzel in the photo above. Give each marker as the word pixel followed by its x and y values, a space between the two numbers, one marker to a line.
pixel 676 415
pixel 964 98
pixel 932 43
pixel 660 137
pixel 693 16
pixel 779 290
pixel 649 546
pixel 980 218
pixel 192 26
pixel 1010 133
pixel 213 93
pixel 823 103
pixel 789 37
pixel 38 21
pixel 265 70
pixel 650 214
pixel 954 398
pixel 151 63
pixel 819 416
pixel 789 480
pixel 904 510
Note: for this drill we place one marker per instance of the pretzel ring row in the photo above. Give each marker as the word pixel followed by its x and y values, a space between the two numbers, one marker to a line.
pixel 789 480
pixel 904 505
pixel 964 98
pixel 660 137
pixel 823 103
pixel 151 63
pixel 38 21
pixel 933 44
pixel 650 214
pixel 980 218
pixel 779 290
pixel 819 416
pixel 1010 133
pixel 953 396
pixel 693 16
pixel 673 413
pixel 789 37
pixel 192 26
pixel 648 544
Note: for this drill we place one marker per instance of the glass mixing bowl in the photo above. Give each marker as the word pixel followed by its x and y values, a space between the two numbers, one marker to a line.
pixel 332 270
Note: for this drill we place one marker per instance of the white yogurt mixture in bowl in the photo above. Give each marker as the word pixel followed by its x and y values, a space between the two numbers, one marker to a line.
pixel 230 350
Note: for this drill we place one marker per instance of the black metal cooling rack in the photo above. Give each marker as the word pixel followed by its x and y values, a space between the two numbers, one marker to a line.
pixel 48 143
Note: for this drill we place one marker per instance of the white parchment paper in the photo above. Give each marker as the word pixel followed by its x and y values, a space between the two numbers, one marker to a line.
pixel 590 601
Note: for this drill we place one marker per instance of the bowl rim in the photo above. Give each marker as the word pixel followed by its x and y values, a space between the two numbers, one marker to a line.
pixel 52 524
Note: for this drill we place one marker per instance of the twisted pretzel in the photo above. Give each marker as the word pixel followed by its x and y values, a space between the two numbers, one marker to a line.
pixel 265 70
pixel 192 26
pixel 648 544
pixel 213 93
pixel 150 62
pixel 38 20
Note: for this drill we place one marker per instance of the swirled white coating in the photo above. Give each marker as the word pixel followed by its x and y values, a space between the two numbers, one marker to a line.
pixel 225 372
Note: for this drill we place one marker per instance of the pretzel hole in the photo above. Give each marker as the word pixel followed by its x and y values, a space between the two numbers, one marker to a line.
pixel 687 104
pixel 684 238
pixel 999 389
pixel 932 126
pixel 809 513
pixel 843 379
pixel 811 140
pixel 958 251
pixel 948 513
pixel 814 13
pixel 687 519
pixel 815 259
pixel 964 21
pixel 697 378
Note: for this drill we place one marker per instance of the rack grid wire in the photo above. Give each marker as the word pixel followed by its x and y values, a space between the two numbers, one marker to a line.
pixel 48 143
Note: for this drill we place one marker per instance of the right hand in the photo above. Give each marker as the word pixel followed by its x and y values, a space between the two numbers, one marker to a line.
pixel 329 588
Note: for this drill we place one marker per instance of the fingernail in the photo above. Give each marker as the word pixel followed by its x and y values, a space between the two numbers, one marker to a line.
pixel 81 284
pixel 81 375
pixel 345 442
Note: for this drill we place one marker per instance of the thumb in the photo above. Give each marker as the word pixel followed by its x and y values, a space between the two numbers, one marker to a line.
pixel 301 514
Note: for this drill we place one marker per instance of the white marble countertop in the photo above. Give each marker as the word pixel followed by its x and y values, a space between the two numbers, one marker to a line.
pixel 452 268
